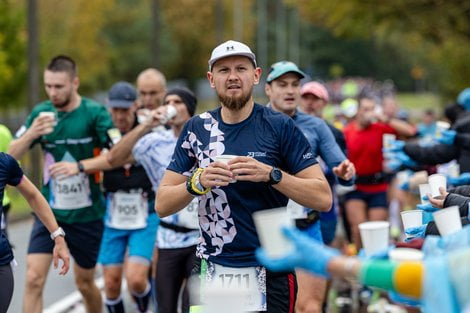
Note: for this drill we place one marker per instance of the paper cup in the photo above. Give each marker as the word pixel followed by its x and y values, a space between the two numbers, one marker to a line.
pixel 436 181
pixel 387 140
pixel 374 236
pixel 405 255
pixel 412 218
pixel 143 115
pixel 51 116
pixel 268 225
pixel 424 189
pixel 225 158
pixel 440 127
pixel 170 113
pixel 448 220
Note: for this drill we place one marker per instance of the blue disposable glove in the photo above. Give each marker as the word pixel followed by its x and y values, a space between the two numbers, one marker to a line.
pixel 405 186
pixel 379 255
pixel 405 159
pixel 459 272
pixel 428 210
pixel 308 254
pixel 463 179
pixel 397 298
pixel 393 165
pixel 435 245
pixel 448 137
pixel 395 146
pixel 415 232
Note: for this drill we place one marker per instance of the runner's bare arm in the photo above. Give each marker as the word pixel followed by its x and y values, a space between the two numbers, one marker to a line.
pixel 121 153
pixel 308 187
pixel 172 195
pixel 21 145
pixel 98 163
pixel 40 206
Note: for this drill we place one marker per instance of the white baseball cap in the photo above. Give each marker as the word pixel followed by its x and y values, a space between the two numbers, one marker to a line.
pixel 230 48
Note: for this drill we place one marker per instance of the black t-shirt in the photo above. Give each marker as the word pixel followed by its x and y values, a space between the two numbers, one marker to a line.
pixel 10 174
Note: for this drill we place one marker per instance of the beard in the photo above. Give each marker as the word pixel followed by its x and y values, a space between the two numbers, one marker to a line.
pixel 63 104
pixel 235 103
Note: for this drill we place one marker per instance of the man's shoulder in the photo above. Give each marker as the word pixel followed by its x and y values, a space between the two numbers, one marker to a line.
pixel 91 104
pixel 309 119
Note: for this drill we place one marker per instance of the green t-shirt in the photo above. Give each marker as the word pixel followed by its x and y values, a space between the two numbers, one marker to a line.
pixel 77 132
pixel 5 139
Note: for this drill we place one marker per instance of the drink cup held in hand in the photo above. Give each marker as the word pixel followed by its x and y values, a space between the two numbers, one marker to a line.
pixel 436 181
pixel 52 117
pixel 412 218
pixel 269 225
pixel 387 140
pixel 440 127
pixel 405 255
pixel 143 115
pixel 448 220
pixel 225 158
pixel 424 190
pixel 374 236
pixel 170 113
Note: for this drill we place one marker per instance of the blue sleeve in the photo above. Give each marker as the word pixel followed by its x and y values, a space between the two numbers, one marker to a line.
pixel 15 173
pixel 329 149
pixel 295 149
pixel 184 156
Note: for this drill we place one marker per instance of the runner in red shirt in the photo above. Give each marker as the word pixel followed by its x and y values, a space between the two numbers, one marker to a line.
pixel 364 145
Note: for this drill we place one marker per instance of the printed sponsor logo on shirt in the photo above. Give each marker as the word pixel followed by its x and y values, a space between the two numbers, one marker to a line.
pixel 256 154
pixel 307 156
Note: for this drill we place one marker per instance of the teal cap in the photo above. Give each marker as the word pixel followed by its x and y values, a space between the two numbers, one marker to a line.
pixel 280 68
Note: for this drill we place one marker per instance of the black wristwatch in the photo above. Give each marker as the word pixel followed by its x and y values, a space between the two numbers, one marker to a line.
pixel 275 176
pixel 81 168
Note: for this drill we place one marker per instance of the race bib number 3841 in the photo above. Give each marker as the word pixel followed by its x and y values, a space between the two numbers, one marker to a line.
pixel 70 193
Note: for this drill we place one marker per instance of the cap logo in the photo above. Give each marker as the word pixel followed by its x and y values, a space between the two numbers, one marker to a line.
pixel 230 48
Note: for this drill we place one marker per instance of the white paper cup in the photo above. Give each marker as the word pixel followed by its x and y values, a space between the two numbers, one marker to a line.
pixel 440 127
pixel 170 113
pixel 412 218
pixel 424 189
pixel 50 116
pixel 143 115
pixel 387 140
pixel 268 225
pixel 448 220
pixel 225 158
pixel 374 236
pixel 405 255
pixel 436 181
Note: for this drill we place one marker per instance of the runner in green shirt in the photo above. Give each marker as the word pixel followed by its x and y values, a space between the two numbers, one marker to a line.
pixel 69 128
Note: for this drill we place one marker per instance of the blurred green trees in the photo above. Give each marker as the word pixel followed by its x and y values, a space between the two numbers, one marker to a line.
pixel 404 40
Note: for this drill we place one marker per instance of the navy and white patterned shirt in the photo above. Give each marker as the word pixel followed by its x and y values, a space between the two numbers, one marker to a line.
pixel 154 152
pixel 228 233
pixel 10 174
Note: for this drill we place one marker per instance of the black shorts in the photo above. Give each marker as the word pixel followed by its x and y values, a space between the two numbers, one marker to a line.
pixel 281 290
pixel 83 240
pixel 372 199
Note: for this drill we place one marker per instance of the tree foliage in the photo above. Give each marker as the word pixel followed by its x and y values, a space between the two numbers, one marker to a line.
pixel 12 53
pixel 435 30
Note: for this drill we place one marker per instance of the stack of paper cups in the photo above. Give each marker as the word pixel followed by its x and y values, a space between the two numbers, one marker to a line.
pixel 424 190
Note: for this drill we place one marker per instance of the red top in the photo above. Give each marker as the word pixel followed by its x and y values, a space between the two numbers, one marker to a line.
pixel 365 151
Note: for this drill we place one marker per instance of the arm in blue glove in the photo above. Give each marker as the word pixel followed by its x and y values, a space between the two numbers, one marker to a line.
pixel 463 179
pixel 448 137
pixel 308 254
pixel 415 232
pixel 428 210
pixel 395 146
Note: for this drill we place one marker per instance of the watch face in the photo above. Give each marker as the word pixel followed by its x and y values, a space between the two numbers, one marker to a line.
pixel 276 175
